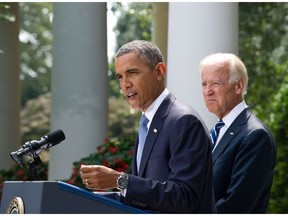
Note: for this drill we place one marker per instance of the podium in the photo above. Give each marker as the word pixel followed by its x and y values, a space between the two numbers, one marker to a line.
pixel 56 197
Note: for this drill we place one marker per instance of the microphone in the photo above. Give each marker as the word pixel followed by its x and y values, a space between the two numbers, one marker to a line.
pixel 34 147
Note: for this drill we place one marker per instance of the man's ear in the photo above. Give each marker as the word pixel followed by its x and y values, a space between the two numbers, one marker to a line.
pixel 239 86
pixel 160 71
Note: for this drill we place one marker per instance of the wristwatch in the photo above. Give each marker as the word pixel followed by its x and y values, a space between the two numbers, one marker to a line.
pixel 122 181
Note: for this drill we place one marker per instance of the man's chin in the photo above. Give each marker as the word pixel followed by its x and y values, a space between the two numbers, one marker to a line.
pixel 134 107
pixel 211 109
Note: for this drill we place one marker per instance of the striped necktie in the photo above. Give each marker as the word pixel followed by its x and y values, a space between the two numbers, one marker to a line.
pixel 142 132
pixel 215 131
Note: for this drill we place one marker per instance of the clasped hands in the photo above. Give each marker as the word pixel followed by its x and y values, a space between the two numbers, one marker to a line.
pixel 98 177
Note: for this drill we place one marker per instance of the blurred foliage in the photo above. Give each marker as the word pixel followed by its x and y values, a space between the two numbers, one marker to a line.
pixel 115 153
pixel 279 124
pixel 122 118
pixel 263 38
pixel 35 48
pixel 35 118
pixel 5 13
pixel 134 22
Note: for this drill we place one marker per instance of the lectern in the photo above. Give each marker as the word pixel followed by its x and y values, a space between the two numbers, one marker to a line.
pixel 57 197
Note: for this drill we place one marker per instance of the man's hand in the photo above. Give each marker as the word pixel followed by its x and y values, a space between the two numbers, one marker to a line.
pixel 97 177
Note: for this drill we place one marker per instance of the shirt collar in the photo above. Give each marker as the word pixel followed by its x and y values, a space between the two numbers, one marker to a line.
pixel 150 112
pixel 232 115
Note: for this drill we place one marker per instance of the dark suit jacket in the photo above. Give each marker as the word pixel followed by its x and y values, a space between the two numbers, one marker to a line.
pixel 176 168
pixel 243 164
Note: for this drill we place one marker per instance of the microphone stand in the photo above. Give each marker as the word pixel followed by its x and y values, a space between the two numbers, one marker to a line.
pixel 32 167
pixel 32 164
pixel 33 148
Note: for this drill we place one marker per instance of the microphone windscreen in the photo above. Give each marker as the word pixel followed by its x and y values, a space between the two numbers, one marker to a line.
pixel 56 137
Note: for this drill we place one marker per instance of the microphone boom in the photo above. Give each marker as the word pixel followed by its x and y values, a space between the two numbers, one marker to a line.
pixel 34 147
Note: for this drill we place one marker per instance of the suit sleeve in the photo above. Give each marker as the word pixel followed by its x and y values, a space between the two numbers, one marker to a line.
pixel 252 173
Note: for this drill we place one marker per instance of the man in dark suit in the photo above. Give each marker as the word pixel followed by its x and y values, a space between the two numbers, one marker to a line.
pixel 174 174
pixel 244 154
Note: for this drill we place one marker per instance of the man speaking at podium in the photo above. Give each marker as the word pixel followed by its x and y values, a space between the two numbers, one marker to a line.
pixel 171 168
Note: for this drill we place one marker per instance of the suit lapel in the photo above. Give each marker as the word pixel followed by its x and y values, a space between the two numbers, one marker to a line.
pixel 155 128
pixel 231 133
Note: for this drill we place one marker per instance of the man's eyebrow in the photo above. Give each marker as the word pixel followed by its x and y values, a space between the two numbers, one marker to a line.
pixel 117 75
pixel 127 71
pixel 131 69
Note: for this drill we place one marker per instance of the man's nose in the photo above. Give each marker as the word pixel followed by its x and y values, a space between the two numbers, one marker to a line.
pixel 208 90
pixel 126 83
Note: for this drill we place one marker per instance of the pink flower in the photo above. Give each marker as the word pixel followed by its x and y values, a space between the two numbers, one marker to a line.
pixel 20 173
pixel 106 163
pixel 113 149
pixel 74 171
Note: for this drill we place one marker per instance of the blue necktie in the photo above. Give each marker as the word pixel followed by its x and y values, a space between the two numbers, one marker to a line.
pixel 215 131
pixel 142 137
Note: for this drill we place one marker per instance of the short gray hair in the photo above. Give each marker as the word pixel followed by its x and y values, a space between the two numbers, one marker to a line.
pixel 147 52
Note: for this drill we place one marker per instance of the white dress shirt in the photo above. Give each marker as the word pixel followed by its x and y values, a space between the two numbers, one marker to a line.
pixel 228 120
